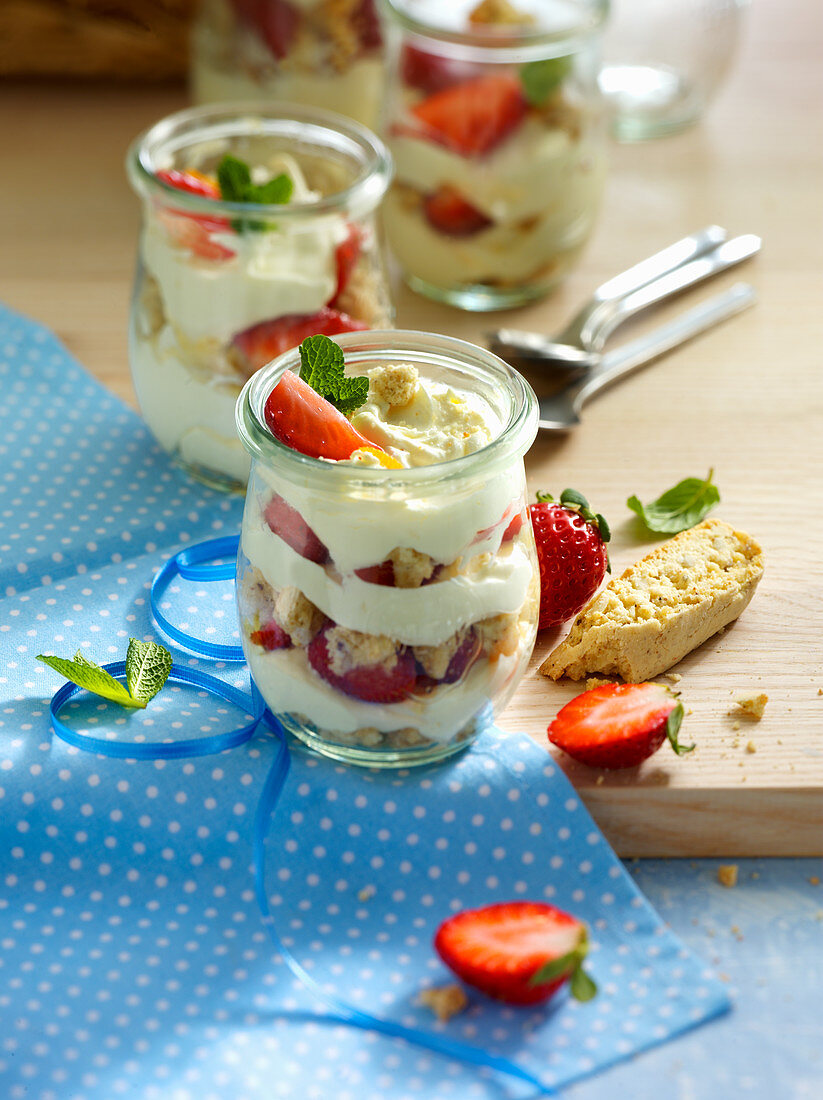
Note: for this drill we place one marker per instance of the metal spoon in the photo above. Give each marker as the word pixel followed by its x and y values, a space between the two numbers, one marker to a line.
pixel 681 265
pixel 561 411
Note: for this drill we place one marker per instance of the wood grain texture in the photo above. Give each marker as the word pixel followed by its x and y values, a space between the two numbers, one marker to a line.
pixel 746 399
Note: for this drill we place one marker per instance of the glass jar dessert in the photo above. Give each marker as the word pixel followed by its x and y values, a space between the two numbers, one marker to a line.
pixel 320 53
pixel 495 123
pixel 258 230
pixel 387 581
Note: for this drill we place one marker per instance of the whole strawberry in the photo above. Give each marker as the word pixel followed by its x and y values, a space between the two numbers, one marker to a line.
pixel 571 553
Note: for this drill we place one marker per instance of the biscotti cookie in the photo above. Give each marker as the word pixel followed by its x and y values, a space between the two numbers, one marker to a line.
pixel 662 607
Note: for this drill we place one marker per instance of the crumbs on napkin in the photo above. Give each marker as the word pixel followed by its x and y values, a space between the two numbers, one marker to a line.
pixel 445 1001
pixel 727 874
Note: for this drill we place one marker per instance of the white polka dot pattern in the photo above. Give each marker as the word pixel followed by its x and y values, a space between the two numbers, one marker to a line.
pixel 133 960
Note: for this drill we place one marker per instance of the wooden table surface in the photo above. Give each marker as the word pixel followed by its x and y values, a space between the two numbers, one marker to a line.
pixel 745 399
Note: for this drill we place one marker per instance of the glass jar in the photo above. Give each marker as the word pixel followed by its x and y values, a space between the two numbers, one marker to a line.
pixel 320 53
pixel 223 287
pixel 387 615
pixel 663 62
pixel 497 134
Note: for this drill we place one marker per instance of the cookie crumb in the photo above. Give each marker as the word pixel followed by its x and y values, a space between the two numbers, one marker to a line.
pixel 751 747
pixel 366 894
pixel 752 705
pixel 727 874
pixel 735 931
pixel 814 880
pixel 735 725
pixel 675 677
pixel 445 1001
pixel 600 779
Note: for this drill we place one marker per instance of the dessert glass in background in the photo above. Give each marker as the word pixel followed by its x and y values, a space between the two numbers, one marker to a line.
pixel 663 62
pixel 496 129
pixel 320 53
pixel 387 615
pixel 224 287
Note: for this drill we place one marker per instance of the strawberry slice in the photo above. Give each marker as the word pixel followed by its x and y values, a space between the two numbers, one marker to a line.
pixel 519 952
pixel 366 24
pixel 475 116
pixel 276 21
pixel 431 72
pixel 383 573
pixel 514 528
pixel 287 522
pixel 346 256
pixel 448 212
pixel 371 683
pixel 618 725
pixel 271 636
pixel 261 343
pixel 299 417
pixel 193 231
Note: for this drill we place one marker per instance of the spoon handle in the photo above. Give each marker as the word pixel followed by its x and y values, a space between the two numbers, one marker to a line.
pixel 637 353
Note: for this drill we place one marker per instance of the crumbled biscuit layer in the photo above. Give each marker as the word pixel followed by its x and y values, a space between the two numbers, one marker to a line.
pixel 411 567
pixel 491 13
pixel 350 649
pixel 297 615
pixel 499 635
pixel 394 384
pixel 435 659
pixel 663 606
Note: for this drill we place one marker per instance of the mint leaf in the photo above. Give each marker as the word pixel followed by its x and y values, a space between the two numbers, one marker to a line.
pixel 86 674
pixel 236 185
pixel 541 78
pixel 322 368
pixel 147 668
pixel 679 508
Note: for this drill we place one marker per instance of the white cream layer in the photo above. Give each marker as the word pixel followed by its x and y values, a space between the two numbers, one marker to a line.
pixel 187 414
pixel 524 177
pixel 290 686
pixel 414 616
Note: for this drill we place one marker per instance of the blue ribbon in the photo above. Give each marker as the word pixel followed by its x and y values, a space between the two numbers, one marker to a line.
pixel 189 564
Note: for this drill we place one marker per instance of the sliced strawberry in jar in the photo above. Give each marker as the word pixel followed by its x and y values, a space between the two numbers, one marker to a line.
pixel 271 636
pixel 448 212
pixel 514 528
pixel 263 342
pixel 346 256
pixel 301 419
pixel 366 24
pixel 276 21
pixel 371 683
pixel 475 116
pixel 383 573
pixel 193 231
pixel 431 72
pixel 463 659
pixel 287 522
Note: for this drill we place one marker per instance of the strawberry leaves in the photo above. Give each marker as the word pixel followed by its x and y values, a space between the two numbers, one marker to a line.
pixel 679 508
pixel 581 986
pixel 322 368
pixel 147 668
pixel 673 723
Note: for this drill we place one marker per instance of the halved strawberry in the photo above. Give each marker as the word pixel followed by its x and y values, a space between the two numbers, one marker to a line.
pixel 263 342
pixel 618 725
pixel 431 72
pixel 473 117
pixel 346 256
pixel 371 683
pixel 271 636
pixel 276 21
pixel 517 951
pixel 287 522
pixel 448 212
pixel 299 417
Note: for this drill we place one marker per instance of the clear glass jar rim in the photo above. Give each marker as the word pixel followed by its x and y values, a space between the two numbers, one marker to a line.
pixel 366 189
pixel 517 435
pixel 526 44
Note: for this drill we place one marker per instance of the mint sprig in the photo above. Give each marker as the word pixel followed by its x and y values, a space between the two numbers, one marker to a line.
pixel 147 668
pixel 322 368
pixel 541 78
pixel 236 185
pixel 581 986
pixel 680 507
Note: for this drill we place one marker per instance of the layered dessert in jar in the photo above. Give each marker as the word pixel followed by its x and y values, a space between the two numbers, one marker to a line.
pixel 258 230
pixel 387 582
pixel 495 126
pixel 320 53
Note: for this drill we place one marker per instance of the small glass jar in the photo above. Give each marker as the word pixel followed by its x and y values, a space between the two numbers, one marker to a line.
pixel 320 53
pixel 497 133
pixel 387 615
pixel 224 287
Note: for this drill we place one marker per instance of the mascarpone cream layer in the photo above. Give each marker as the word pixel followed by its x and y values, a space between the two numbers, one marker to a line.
pixel 492 584
pixel 290 686
pixel 188 413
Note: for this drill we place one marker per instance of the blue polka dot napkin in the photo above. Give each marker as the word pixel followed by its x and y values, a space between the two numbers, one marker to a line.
pixel 133 957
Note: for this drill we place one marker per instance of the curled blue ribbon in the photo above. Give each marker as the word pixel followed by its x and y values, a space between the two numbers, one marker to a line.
pixel 191 565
